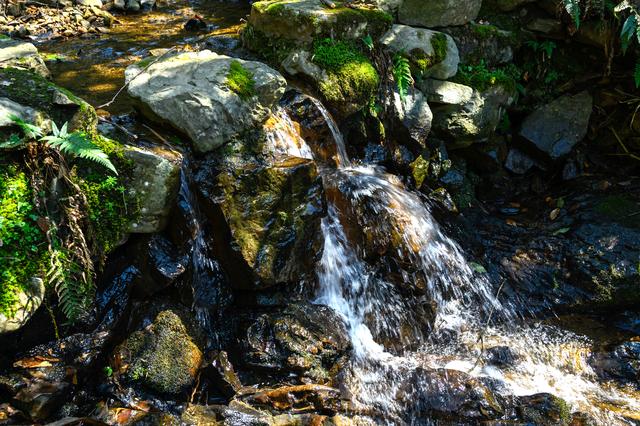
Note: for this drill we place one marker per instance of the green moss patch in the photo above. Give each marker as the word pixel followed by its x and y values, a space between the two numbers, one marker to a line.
pixel 481 78
pixel 111 207
pixel 240 80
pixel 23 245
pixel 352 77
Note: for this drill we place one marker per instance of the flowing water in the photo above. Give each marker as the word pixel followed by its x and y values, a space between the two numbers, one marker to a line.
pixel 547 359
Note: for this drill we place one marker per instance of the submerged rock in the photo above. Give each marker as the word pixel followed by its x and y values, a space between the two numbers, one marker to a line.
pixel 557 127
pixel 21 55
pixel 305 340
pixel 209 97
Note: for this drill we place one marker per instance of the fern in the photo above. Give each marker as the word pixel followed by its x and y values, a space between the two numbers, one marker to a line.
pixel 31 131
pixel 14 141
pixel 573 9
pixel 402 75
pixel 636 74
pixel 79 145
pixel 72 294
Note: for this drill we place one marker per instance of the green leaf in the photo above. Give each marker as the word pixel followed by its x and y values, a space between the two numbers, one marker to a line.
pixel 478 268
pixel 636 74
pixel 629 29
pixel 562 231
pixel 14 141
pixel 31 131
pixel 79 145
pixel 368 41
pixel 402 74
pixel 573 9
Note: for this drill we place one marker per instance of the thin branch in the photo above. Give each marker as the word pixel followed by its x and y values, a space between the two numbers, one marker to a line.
pixel 134 77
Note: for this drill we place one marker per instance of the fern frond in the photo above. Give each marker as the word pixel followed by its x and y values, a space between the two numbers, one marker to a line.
pixel 13 142
pixel 636 74
pixel 30 130
pixel 79 145
pixel 402 74
pixel 73 294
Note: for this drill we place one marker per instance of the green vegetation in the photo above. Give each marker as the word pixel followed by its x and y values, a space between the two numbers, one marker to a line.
pixel 352 76
pixel 240 80
pixel 402 75
pixel 22 244
pixel 439 44
pixel 481 78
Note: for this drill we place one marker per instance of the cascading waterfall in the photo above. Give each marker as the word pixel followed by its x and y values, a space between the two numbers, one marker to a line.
pixel 548 359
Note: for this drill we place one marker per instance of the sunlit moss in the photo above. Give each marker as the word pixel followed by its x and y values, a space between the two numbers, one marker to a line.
pixel 240 80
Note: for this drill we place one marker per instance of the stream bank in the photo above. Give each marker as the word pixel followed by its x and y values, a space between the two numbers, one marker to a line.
pixel 401 264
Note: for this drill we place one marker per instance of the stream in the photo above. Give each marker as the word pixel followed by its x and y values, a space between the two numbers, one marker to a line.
pixel 472 318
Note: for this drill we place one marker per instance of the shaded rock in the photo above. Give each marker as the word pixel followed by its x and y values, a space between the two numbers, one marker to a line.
pixel 483 42
pixel 161 356
pixel 469 121
pixel 267 211
pixel 558 126
pixel 411 118
pixel 27 303
pixel 221 372
pixel 518 162
pixel 621 363
pixel 433 54
pixel 154 181
pixel 438 13
pixel 506 5
pixel 305 340
pixel 22 55
pixel 544 409
pixel 193 93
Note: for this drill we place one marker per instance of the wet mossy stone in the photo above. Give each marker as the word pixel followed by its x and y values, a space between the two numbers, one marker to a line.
pixel 303 21
pixel 162 356
pixel 267 211
pixel 302 339
pixel 438 13
pixel 60 105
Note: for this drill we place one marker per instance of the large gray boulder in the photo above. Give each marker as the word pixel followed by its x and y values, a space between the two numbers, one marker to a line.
pixel 558 126
pixel 433 53
pixel 23 55
pixel 194 93
pixel 438 13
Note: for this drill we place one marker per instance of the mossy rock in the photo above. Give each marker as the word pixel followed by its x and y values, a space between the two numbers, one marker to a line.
pixel 23 249
pixel 60 105
pixel 163 356
pixel 306 340
pixel 303 21
pixel 268 213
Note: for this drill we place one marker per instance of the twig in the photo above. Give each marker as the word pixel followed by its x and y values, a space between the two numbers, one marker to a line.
pixel 484 329
pixel 119 127
pixel 136 76
pixel 157 135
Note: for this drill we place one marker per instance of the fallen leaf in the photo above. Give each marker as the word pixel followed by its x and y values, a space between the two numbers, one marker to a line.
pixel 554 214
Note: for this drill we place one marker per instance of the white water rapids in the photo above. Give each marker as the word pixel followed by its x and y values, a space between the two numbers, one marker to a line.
pixel 547 359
